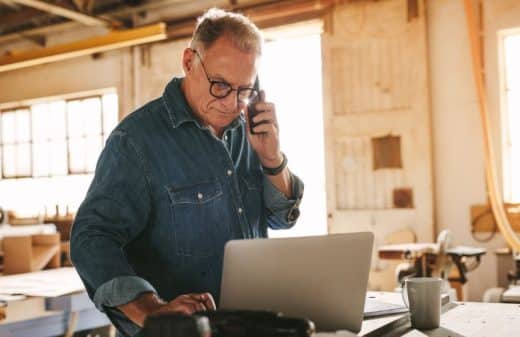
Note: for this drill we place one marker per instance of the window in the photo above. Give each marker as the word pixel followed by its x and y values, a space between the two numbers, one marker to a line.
pixel 16 143
pixel 56 138
pixel 511 103
pixel 291 74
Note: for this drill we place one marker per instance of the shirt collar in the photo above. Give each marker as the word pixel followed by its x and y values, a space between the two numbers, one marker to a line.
pixel 178 109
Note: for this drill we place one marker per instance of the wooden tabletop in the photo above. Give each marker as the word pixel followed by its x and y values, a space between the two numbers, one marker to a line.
pixel 469 319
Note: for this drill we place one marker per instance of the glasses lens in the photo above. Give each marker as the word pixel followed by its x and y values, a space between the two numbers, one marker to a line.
pixel 247 94
pixel 220 89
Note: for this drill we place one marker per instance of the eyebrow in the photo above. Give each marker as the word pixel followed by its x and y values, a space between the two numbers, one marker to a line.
pixel 221 78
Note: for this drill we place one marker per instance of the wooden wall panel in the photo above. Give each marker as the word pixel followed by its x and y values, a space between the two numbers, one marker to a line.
pixel 371 75
pixel 376 71
pixel 358 185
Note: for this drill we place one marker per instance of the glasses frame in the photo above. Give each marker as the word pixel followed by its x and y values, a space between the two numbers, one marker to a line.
pixel 212 84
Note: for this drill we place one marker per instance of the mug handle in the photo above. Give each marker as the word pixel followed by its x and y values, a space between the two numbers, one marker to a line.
pixel 404 294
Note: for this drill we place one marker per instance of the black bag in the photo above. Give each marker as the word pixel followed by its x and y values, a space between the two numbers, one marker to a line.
pixel 227 323
pixel 175 325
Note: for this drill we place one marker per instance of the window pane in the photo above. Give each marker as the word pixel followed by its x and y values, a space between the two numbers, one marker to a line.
pixel 23 125
pixel 41 159
pixel 9 161
pixel 512 66
pixel 58 155
pixel 8 127
pixel 513 104
pixel 23 160
pixel 92 116
pixel 75 118
pixel 512 47
pixel 110 112
pixel 77 155
pixel 40 130
pixel 515 169
pixel 93 151
pixel 57 120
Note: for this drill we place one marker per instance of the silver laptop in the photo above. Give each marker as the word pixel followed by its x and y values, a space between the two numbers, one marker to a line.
pixel 322 278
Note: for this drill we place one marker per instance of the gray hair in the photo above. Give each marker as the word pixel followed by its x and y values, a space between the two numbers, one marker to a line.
pixel 215 23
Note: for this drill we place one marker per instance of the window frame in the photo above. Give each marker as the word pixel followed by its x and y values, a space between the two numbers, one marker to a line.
pixel 16 143
pixel 506 142
pixel 28 104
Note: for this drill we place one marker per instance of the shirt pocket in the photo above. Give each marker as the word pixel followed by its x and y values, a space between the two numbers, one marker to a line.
pixel 252 196
pixel 197 218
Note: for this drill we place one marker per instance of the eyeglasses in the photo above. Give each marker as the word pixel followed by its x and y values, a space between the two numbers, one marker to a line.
pixel 221 89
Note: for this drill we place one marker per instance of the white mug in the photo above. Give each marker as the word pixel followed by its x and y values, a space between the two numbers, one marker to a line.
pixel 422 295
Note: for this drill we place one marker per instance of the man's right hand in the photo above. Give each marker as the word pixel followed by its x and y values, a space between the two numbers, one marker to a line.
pixel 150 303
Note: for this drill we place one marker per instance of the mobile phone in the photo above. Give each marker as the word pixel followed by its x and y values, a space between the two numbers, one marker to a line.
pixel 251 108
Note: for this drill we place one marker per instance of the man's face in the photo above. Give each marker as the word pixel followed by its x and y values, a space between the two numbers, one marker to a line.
pixel 222 62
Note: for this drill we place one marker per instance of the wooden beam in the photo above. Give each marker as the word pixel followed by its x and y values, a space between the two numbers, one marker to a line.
pixel 22 15
pixel 263 15
pixel 10 3
pixel 26 14
pixel 113 40
pixel 119 12
pixel 490 159
pixel 65 12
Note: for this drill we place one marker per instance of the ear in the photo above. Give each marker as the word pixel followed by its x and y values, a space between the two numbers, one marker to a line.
pixel 187 60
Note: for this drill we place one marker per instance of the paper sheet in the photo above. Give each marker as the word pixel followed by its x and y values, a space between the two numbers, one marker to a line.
pixel 47 283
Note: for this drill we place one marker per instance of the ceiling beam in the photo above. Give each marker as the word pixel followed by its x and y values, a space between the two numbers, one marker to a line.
pixel 265 15
pixel 181 26
pixel 64 12
pixel 110 41
pixel 22 15
pixel 10 4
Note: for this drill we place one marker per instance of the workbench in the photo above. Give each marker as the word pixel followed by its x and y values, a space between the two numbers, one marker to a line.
pixel 469 319
pixel 48 317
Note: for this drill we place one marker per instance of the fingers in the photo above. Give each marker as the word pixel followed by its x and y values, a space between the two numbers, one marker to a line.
pixel 194 304
pixel 184 309
pixel 266 117
pixel 262 95
pixel 177 305
pixel 205 299
pixel 197 302
pixel 265 128
pixel 209 302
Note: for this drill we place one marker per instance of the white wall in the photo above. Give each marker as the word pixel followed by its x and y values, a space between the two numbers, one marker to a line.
pixel 457 133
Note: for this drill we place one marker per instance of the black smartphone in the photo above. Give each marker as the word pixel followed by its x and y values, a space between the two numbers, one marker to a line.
pixel 252 107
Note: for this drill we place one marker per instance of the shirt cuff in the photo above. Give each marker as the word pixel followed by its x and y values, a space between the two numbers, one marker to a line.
pixel 121 290
pixel 283 208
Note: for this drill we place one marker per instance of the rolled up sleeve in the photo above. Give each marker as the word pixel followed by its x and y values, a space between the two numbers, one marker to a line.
pixel 283 212
pixel 120 290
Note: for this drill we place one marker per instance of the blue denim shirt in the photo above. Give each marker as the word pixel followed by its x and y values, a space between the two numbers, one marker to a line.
pixel 166 196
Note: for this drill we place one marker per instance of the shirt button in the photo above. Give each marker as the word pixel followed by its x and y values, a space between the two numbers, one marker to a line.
pixel 229 172
pixel 240 210
pixel 199 196
pixel 225 137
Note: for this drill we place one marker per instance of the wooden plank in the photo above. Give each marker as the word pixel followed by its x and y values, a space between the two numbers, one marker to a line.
pixel 113 40
pixel 372 74
pixel 64 12
pixel 482 219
